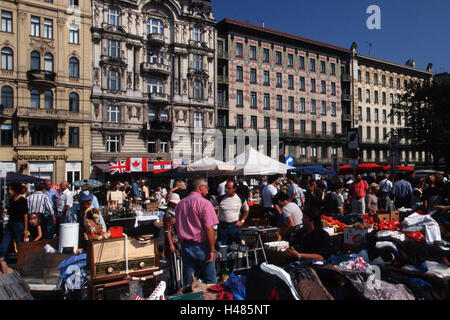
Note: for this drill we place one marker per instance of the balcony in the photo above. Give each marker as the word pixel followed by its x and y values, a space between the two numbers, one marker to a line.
pixel 156 38
pixel 222 55
pixel 222 104
pixel 51 114
pixel 41 78
pixel 158 97
pixel 346 117
pixel 6 112
pixel 158 126
pixel 155 68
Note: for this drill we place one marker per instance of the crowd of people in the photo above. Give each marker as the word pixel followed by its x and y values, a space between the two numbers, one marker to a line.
pixel 194 209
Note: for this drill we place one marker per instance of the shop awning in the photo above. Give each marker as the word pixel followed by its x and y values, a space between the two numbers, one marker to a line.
pixel 103 167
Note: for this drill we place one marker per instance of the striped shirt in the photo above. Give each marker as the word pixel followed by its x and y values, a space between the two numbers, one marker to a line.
pixel 38 202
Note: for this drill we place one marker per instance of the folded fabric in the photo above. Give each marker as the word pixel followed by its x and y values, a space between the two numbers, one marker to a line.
pixel 236 284
pixel 283 275
pixel 427 223
pixel 439 269
pixel 222 292
pixel 390 233
pixel 383 244
pixel 416 236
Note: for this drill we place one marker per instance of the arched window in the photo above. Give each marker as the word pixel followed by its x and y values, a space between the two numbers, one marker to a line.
pixel 35 100
pixel 74 68
pixel 113 16
pixel 7 58
pixel 48 62
pixel 74 102
pixel 35 61
pixel 155 26
pixel 113 80
pixel 7 97
pixel 48 99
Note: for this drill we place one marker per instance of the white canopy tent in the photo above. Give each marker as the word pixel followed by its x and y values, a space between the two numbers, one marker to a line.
pixel 209 166
pixel 253 163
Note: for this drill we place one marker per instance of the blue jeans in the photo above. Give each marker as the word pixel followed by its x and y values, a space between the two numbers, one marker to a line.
pixel 13 230
pixel 194 255
pixel 50 227
pixel 228 233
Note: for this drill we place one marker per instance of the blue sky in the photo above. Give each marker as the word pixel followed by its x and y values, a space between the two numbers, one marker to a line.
pixel 410 29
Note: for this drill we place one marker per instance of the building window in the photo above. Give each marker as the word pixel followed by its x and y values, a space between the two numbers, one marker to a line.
pixel 333 109
pixel 302 105
pixel 367 77
pixel 383 98
pixel 74 137
pixel 322 66
pixel 360 114
pixel 74 3
pixel 375 79
pixel 266 55
pixel 302 83
pixel 198 89
pixel 7 97
pixel 359 75
pixel 253 52
pixel 240 121
pixel 383 80
pixel 384 116
pixel 198 146
pixel 253 76
pixel 151 114
pixel 74 68
pixel 7 59
pixel 302 126
pixel 198 61
pixel 280 124
pixel 266 123
pixel 164 115
pixel 220 46
pixel 384 133
pixel 74 102
pixel 113 16
pixel 48 99
pixel 41 135
pixel 155 56
pixel 279 103
pixel 113 114
pixel 113 143
pixel 376 97
pixel 198 120
pixel 279 82
pixel 368 95
pixel 368 133
pixel 323 111
pixel 392 116
pixel 239 74
pixel 48 62
pixel 239 98
pixel 333 69
pixel 313 152
pixel 391 99
pixel 399 119
pixel 113 48
pixel 302 151
pixel 333 88
pixel 163 147
pixel 291 104
pixel 35 61
pixel 302 63
pixel 113 80
pixel 376 118
pixel 266 78
pixel 35 26
pixel 155 85
pixel 360 94
pixel 74 34
pixel 253 122
pixel 278 57
pixel 155 26
pixel 391 82
pixel 324 152
pixel 398 83
pixel 312 64
pixel 313 85
pixel 48 28
pixel 323 87
pixel 333 151
pixel 253 99
pixel 377 134
pixel 368 114
pixel 6 135
pixel 6 21
pixel 324 127
pixel 35 98
pixel 290 60
pixel 151 147
pixel 333 128
pixel 313 127
pixel 239 50
pixel 291 125
pixel 266 101
pixel 290 82
pixel 313 106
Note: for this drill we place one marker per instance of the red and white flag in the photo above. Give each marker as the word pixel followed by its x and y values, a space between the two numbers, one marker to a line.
pixel 137 165
pixel 161 166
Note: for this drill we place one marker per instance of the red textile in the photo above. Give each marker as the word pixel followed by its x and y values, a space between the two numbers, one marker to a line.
pixel 415 236
pixel 223 293
pixel 330 222
pixel 273 295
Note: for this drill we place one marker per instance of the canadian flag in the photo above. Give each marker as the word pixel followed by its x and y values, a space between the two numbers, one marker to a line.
pixel 137 165
pixel 161 166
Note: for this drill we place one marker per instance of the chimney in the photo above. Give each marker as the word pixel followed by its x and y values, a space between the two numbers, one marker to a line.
pixel 430 67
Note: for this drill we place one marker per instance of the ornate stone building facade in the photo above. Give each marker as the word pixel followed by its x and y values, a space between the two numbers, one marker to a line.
pixel 45 83
pixel 153 74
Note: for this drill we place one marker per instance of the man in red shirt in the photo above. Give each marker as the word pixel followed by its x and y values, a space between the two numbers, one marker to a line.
pixel 357 193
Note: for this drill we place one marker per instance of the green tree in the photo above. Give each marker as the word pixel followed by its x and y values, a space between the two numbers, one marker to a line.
pixel 426 110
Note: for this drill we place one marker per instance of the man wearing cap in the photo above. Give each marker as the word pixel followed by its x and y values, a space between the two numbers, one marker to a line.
pixel 230 219
pixel 195 220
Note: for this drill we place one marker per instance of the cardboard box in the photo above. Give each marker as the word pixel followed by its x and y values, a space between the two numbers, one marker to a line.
pixel 355 236
pixel 388 216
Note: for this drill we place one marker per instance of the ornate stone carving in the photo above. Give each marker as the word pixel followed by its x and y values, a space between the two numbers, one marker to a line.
pixel 129 79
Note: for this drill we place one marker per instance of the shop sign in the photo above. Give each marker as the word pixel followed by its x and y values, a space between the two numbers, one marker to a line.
pixel 40 157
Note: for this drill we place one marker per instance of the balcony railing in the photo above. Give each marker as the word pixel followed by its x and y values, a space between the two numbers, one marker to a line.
pixel 158 97
pixel 41 77
pixel 222 79
pixel 157 125
pixel 51 114
pixel 222 54
pixel 346 77
pixel 346 97
pixel 223 104
pixel 156 38
pixel 158 68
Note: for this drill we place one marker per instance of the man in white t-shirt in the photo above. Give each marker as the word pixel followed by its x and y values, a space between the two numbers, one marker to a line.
pixel 386 185
pixel 271 211
pixel 65 201
pixel 233 212
pixel 292 214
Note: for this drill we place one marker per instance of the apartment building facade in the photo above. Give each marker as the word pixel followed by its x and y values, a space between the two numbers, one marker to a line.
pixel 153 75
pixel 45 83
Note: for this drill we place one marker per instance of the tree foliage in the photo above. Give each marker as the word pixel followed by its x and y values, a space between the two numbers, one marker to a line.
pixel 426 110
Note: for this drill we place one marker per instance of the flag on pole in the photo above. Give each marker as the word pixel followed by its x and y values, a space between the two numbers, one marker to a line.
pixel 161 166
pixel 117 167
pixel 137 164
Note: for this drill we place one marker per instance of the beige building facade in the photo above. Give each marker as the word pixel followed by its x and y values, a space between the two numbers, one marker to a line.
pixel 45 83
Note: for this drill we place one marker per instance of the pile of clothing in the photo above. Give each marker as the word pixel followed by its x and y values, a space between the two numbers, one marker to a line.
pixel 329 222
